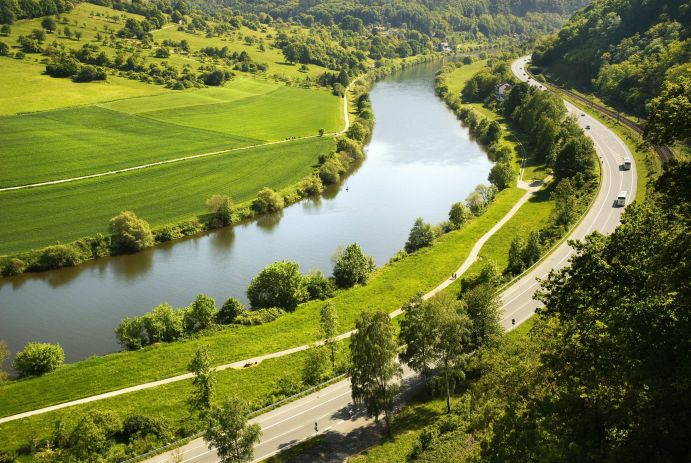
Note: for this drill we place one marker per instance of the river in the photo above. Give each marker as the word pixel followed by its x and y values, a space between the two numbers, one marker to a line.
pixel 419 161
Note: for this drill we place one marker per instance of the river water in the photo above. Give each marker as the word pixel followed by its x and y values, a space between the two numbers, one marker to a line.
pixel 419 161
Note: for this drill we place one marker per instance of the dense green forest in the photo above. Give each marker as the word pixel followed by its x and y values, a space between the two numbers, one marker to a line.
pixel 630 52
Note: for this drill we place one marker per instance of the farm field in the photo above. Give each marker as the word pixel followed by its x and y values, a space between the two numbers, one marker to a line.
pixel 389 289
pixel 73 142
pixel 37 217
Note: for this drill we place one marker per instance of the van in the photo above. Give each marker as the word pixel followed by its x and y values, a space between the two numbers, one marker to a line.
pixel 627 163
pixel 621 199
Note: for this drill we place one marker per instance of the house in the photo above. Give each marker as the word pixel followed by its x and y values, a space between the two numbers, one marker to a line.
pixel 502 91
pixel 444 46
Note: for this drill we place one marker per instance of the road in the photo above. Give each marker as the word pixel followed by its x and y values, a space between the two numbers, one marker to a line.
pixel 294 422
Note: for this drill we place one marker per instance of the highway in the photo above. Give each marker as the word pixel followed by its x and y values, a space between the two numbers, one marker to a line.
pixel 294 422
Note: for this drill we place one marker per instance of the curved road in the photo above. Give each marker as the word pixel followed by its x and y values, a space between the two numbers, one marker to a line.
pixel 294 422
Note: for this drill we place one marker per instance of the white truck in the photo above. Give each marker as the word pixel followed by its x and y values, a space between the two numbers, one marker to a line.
pixel 621 199
pixel 626 165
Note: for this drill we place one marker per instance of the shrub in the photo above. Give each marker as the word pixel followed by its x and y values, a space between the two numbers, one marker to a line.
pixel 232 308
pixel 352 267
pixel 143 427
pixel 260 316
pixel 130 233
pixel 200 314
pixel 63 66
pixel 88 73
pixel 318 286
pixel 357 132
pixel 59 255
pixel 267 201
pixel 38 358
pixel 278 285
pixel 310 186
pixel 330 172
pixel 131 333
pixel 221 210
pixel 14 266
pixel 421 235
pixel 352 147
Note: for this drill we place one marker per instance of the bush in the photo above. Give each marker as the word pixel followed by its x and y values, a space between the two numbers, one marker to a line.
pixel 221 210
pixel 14 266
pixel 267 201
pixel 421 235
pixel 278 285
pixel 352 267
pixel 357 132
pixel 131 333
pixel 38 358
pixel 59 255
pixel 232 308
pixel 63 66
pixel 330 172
pixel 164 324
pixel 352 147
pixel 130 233
pixel 145 427
pixel 88 73
pixel 318 286
pixel 200 314
pixel 311 186
pixel 259 317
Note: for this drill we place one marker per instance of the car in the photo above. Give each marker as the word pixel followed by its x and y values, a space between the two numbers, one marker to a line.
pixel 582 114
pixel 587 127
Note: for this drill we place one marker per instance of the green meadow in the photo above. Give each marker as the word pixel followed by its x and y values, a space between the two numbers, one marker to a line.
pixel 165 194
pixel 389 289
pixel 72 142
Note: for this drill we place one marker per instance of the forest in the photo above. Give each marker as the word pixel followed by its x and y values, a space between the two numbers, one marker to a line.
pixel 634 54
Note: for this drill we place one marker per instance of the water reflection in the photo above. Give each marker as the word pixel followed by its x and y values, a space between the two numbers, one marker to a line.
pixel 420 160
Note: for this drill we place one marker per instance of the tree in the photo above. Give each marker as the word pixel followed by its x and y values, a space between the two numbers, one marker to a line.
pixel 93 436
pixel 475 202
pixel 4 49
pixel 577 155
pixel 374 371
pixel 328 324
pixel 164 324
pixel 200 314
pixel 67 32
pixel 318 286
pixel 221 210
pixel 459 215
pixel 131 333
pixel 5 30
pixel 357 132
pixel 483 307
pixel 267 201
pixel 564 197
pixel 279 285
pixel 78 35
pixel 316 362
pixel 516 263
pixel 130 233
pixel 49 24
pixel 4 355
pixel 38 358
pixel 204 381
pixel 352 267
pixel 229 432
pixel 502 175
pixel 531 251
pixel 420 236
pixel 229 311
pixel 670 112
pixel 436 333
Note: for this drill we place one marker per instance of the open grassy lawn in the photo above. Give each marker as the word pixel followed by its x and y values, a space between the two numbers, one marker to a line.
pixel 26 89
pixel 388 290
pixel 457 79
pixel 170 193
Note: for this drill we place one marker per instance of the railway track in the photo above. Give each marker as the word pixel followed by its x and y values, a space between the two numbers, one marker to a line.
pixel 663 152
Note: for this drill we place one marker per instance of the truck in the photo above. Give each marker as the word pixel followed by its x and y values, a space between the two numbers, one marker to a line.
pixel 621 198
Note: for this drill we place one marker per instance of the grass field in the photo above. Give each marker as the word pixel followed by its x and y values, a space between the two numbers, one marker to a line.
pixel 72 142
pixel 40 216
pixel 253 385
pixel 26 89
pixel 391 286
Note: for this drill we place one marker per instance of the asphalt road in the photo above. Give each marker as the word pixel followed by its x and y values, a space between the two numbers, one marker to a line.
pixel 295 422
